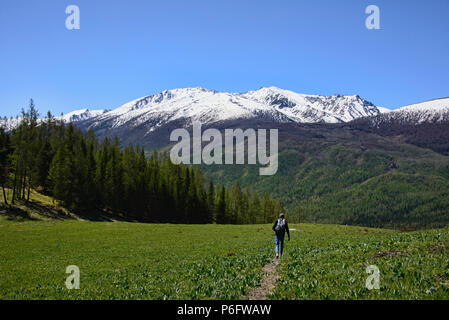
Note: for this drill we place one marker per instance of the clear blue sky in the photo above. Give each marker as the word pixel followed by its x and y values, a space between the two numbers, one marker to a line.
pixel 128 49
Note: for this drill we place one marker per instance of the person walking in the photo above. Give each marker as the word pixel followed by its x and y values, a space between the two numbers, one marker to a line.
pixel 280 226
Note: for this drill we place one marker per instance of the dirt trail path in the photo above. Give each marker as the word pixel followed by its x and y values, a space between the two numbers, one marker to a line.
pixel 271 275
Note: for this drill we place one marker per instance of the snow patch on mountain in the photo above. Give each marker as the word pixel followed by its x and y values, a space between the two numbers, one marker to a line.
pixel 441 104
pixel 74 116
pixel 432 111
pixel 79 115
pixel 8 124
pixel 384 110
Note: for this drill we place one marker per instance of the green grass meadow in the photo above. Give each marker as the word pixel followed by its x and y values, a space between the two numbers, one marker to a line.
pixel 123 260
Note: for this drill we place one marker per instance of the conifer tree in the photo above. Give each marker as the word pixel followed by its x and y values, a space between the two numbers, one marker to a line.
pixel 221 206
pixel 5 149
pixel 59 174
pixel 211 202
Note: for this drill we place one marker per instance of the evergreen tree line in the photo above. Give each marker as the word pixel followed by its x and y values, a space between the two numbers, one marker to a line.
pixel 88 175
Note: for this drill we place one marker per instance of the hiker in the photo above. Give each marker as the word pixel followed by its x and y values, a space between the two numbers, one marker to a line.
pixel 280 226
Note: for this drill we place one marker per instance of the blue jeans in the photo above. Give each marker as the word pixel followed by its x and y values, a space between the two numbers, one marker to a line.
pixel 279 243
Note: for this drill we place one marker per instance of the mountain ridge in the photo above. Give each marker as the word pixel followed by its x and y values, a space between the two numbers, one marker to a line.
pixel 185 105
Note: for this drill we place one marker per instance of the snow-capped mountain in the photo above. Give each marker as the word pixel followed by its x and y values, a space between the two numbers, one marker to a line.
pixel 150 119
pixel 268 103
pixel 209 106
pixel 432 111
pixel 305 108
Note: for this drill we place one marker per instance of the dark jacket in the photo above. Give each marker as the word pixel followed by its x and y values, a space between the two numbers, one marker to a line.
pixel 282 232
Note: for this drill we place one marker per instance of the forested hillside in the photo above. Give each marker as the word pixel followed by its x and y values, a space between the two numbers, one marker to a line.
pixel 90 176
pixel 345 175
pixel 431 135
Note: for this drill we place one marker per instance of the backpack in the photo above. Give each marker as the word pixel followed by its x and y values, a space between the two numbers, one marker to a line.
pixel 280 226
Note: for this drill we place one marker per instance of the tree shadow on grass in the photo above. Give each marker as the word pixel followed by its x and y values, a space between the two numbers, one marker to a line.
pixel 16 213
pixel 31 210
pixel 49 212
pixel 96 216
pixel 35 210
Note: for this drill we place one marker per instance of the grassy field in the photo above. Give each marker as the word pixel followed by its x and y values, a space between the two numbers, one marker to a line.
pixel 122 260
pixel 329 262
